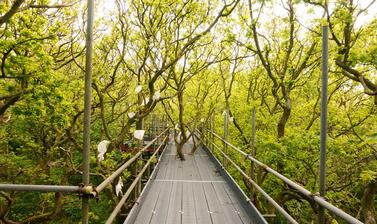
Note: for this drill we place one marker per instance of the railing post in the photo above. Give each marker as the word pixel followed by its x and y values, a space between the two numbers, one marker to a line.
pixel 153 126
pixel 138 166
pixel 323 142
pixel 139 126
pixel 205 134
pixel 87 108
pixel 254 150
pixel 213 130
pixel 226 122
pixel 157 125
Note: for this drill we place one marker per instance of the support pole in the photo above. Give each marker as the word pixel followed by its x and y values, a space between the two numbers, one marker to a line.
pixel 254 150
pixel 213 130
pixel 87 108
pixel 323 142
pixel 205 134
pixel 140 126
pixel 226 124
pixel 253 114
pixel 157 129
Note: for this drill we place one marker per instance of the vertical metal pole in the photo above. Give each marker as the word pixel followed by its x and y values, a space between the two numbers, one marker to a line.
pixel 87 108
pixel 157 129
pixel 213 130
pixel 226 122
pixel 207 134
pixel 323 142
pixel 253 132
pixel 138 188
pixel 253 148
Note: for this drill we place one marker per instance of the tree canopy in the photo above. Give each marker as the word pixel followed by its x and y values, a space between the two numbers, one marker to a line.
pixel 188 61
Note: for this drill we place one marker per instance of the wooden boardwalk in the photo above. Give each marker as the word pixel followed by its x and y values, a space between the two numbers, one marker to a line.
pixel 194 191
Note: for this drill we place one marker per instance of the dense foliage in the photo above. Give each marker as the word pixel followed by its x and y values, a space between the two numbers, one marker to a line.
pixel 192 60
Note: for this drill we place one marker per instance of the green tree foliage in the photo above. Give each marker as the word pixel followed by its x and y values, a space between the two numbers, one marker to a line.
pixel 192 60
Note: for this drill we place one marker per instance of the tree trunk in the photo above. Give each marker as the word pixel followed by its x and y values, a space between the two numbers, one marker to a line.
pixel 284 119
pixel 197 143
pixel 281 130
pixel 180 150
pixel 181 139
pixel 367 203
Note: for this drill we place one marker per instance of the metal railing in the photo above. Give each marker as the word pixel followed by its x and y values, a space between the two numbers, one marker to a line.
pixel 318 199
pixel 43 188
pixel 88 191
pixel 134 183
pixel 116 173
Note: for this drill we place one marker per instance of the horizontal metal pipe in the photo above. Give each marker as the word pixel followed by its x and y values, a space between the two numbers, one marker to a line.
pixel 256 186
pixel 112 177
pixel 129 190
pixel 39 188
pixel 318 199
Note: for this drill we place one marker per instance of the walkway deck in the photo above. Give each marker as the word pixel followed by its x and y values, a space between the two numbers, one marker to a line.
pixel 196 190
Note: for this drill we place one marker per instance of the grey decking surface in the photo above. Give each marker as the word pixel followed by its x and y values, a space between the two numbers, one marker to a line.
pixel 190 191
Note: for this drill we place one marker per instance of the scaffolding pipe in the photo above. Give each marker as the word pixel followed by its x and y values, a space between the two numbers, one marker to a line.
pixel 40 188
pixel 87 108
pixel 323 141
pixel 254 152
pixel 133 185
pixel 226 132
pixel 320 200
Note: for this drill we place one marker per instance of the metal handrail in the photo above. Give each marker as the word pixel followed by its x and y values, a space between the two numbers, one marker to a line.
pixel 112 177
pixel 134 183
pixel 320 200
pixel 40 188
pixel 270 199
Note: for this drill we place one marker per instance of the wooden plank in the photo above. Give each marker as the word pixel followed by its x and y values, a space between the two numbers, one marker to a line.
pixel 194 169
pixel 198 167
pixel 188 205
pixel 205 172
pixel 147 208
pixel 169 172
pixel 227 204
pixel 175 205
pixel 162 205
pixel 186 166
pixel 174 169
pixel 242 213
pixel 201 207
pixel 178 169
pixel 164 164
pixel 216 211
pixel 211 168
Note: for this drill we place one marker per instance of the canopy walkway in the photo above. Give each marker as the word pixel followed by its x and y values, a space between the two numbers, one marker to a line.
pixel 197 190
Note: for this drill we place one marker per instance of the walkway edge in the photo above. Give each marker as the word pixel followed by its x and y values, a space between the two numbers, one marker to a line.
pixel 246 203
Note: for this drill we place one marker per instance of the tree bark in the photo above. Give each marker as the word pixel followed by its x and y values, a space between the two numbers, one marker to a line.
pixel 367 203
pixel 13 10
pixel 181 138
pixel 284 119
pixel 180 151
